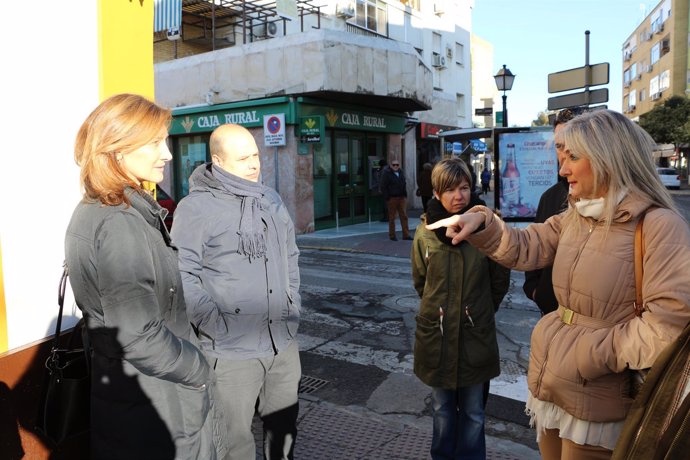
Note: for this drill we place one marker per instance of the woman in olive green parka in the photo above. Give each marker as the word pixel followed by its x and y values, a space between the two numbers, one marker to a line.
pixel 455 352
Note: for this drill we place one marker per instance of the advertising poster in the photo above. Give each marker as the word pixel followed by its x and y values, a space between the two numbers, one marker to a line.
pixel 527 166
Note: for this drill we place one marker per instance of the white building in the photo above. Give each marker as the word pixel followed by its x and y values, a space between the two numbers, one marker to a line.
pixel 383 77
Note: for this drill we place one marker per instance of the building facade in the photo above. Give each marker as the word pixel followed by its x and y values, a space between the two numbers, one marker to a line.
pixel 374 72
pixel 655 59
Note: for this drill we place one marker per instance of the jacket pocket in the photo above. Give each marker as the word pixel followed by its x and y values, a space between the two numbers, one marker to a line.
pixel 292 320
pixel 195 404
pixel 479 345
pixel 428 344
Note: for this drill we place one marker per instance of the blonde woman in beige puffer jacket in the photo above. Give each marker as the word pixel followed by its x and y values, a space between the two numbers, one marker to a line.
pixel 582 356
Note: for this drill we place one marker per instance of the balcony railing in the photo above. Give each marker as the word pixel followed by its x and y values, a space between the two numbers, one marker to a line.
pixel 358 30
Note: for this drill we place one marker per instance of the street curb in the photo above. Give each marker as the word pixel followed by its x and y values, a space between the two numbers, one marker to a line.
pixel 331 248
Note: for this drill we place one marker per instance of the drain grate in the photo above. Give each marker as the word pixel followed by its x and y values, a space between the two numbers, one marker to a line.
pixel 310 384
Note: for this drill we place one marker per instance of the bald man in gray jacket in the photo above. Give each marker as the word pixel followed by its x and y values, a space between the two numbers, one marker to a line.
pixel 238 260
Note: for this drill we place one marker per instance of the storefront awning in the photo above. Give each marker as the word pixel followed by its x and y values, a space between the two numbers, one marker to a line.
pixel 664 150
pixel 460 135
pixel 167 15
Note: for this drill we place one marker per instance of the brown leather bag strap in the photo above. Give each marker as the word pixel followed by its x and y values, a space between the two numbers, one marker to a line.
pixel 639 255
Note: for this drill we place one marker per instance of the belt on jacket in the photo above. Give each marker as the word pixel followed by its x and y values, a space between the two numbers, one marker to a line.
pixel 569 317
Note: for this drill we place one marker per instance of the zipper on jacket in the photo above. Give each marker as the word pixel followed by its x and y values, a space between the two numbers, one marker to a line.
pixel 577 259
pixel 173 310
pixel 683 429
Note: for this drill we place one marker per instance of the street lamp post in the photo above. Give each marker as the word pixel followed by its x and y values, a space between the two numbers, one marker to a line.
pixel 504 82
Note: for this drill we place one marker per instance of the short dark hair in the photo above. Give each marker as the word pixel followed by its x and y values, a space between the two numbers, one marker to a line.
pixel 564 116
pixel 449 173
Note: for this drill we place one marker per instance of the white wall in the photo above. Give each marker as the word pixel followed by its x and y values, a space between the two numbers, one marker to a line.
pixel 50 84
pixel 416 28
pixel 483 83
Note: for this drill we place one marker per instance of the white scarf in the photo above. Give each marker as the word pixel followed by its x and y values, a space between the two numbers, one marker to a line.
pixel 595 206
pixel 590 207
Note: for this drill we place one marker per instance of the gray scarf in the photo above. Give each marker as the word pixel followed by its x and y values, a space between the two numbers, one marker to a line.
pixel 252 237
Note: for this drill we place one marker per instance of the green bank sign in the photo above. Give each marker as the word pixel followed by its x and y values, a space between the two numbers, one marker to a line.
pixel 251 115
pixel 311 129
pixel 200 122
pixel 352 119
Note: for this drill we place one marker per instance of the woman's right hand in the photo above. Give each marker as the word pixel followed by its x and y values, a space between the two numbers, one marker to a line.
pixel 459 226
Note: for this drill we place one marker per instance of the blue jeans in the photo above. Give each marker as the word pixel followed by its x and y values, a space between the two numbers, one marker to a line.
pixel 458 423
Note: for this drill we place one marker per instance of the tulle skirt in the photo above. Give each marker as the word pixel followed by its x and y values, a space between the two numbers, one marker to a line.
pixel 546 416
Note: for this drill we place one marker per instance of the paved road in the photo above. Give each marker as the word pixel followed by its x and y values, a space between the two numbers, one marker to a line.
pixel 357 334
pixel 359 398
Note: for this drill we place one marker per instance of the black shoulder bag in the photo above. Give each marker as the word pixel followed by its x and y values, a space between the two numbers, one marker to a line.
pixel 66 395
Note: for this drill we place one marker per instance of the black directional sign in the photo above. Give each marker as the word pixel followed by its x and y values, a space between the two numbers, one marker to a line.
pixel 486 111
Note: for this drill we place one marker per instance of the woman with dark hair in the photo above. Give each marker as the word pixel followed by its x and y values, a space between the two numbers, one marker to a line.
pixel 455 352
pixel 151 387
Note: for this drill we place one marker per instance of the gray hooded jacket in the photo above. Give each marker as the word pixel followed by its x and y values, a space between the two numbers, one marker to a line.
pixel 242 306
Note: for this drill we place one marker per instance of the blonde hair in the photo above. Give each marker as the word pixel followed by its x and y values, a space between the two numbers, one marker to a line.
pixel 448 174
pixel 620 153
pixel 118 126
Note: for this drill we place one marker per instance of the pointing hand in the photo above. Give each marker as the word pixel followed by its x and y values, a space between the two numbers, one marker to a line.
pixel 459 226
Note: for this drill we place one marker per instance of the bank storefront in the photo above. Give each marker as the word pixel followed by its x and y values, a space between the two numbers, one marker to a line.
pixel 326 180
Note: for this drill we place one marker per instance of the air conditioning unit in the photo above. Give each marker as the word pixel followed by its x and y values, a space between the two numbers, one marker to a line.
pixel 438 9
pixel 656 96
pixel 345 10
pixel 626 84
pixel 174 33
pixel 660 28
pixel 627 56
pixel 638 76
pixel 438 61
pixel 647 36
pixel 631 108
pixel 649 68
pixel 271 29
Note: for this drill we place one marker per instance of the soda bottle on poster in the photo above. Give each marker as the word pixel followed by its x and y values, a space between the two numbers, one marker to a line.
pixel 510 180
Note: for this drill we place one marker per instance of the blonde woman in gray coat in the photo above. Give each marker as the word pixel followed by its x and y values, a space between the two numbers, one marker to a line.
pixel 152 391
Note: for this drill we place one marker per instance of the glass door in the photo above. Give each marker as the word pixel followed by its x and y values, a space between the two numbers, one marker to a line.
pixel 351 183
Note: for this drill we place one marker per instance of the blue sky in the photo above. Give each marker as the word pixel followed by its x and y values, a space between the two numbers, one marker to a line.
pixel 537 37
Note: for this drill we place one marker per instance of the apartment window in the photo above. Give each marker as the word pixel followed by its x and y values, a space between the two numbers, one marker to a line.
pixel 633 70
pixel 460 105
pixel 665 46
pixel 371 15
pixel 437 57
pixel 664 80
pixel 626 76
pixel 643 94
pixel 644 36
pixel 632 98
pixel 414 4
pixel 654 85
pixel 436 42
pixel 655 53
pixel 459 53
